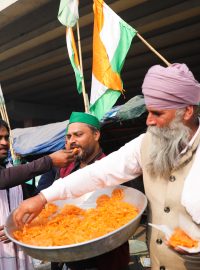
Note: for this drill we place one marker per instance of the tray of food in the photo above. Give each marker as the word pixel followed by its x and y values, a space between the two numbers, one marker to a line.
pixel 81 228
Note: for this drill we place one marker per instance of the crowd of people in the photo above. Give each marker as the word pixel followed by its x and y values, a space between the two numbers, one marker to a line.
pixel 167 156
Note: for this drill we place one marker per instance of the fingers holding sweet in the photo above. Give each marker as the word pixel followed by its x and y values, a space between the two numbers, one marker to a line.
pixel 28 210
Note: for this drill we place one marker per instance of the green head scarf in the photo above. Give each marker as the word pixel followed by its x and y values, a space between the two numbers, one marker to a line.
pixel 86 118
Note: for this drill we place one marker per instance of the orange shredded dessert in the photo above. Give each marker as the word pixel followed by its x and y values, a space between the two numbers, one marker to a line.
pixel 180 238
pixel 71 225
pixel 75 150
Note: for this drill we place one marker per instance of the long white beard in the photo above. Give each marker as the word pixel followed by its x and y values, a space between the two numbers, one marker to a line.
pixel 167 143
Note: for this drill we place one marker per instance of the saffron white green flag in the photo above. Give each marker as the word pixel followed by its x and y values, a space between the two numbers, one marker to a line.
pixel 112 38
pixel 68 12
pixel 73 57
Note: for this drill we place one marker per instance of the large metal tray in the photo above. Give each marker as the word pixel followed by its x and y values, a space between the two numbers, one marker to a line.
pixel 92 248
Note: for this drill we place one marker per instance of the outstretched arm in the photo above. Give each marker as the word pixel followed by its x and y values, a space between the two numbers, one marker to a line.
pixel 118 167
pixel 14 176
pixel 17 175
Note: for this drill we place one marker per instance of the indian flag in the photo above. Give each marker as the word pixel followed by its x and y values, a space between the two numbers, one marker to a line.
pixel 68 12
pixel 112 38
pixel 73 57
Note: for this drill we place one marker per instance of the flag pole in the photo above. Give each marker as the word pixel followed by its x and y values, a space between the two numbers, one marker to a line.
pixel 153 50
pixel 85 95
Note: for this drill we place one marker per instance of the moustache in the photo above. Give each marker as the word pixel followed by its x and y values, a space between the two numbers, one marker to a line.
pixel 153 130
pixel 74 145
pixel 4 148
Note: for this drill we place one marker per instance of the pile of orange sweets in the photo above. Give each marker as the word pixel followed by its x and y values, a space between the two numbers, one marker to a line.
pixel 180 238
pixel 72 225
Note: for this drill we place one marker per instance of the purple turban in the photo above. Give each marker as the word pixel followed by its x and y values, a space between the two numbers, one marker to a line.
pixel 172 87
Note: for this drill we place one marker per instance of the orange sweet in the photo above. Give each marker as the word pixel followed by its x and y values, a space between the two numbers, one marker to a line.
pixel 180 238
pixel 71 224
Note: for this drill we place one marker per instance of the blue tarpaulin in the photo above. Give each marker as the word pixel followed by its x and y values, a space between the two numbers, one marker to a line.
pixel 40 139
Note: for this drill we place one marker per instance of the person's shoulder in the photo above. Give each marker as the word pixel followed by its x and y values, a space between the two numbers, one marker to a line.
pixel 138 140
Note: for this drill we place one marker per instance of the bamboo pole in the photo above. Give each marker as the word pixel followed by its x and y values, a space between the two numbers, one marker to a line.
pixel 153 50
pixel 6 116
pixel 4 111
pixel 3 116
pixel 85 96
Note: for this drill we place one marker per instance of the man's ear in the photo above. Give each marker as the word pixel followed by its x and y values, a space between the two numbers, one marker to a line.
pixel 97 135
pixel 189 112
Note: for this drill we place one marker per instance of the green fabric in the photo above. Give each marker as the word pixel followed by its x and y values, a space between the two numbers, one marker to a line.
pixel 104 103
pixel 127 33
pixel 78 75
pixel 80 117
pixel 134 108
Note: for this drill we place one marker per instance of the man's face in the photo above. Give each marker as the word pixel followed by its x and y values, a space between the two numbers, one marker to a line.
pixel 160 118
pixel 169 138
pixel 82 137
pixel 4 143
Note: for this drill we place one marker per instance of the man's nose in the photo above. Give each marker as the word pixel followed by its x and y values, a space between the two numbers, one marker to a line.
pixel 72 140
pixel 4 141
pixel 150 120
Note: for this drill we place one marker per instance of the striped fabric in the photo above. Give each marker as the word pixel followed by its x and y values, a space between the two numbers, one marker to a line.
pixel 73 57
pixel 112 38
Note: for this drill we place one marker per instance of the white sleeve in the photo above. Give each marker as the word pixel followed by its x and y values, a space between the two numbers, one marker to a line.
pixel 114 169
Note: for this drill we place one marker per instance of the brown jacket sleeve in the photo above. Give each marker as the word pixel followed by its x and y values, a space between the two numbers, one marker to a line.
pixel 14 176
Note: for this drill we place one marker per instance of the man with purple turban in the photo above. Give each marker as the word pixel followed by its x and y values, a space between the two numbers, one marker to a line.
pixel 168 157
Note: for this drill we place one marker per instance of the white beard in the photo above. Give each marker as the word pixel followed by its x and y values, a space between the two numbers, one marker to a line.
pixel 167 144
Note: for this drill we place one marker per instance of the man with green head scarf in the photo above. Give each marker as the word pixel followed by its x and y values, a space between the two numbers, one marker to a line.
pixel 83 148
pixel 74 152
